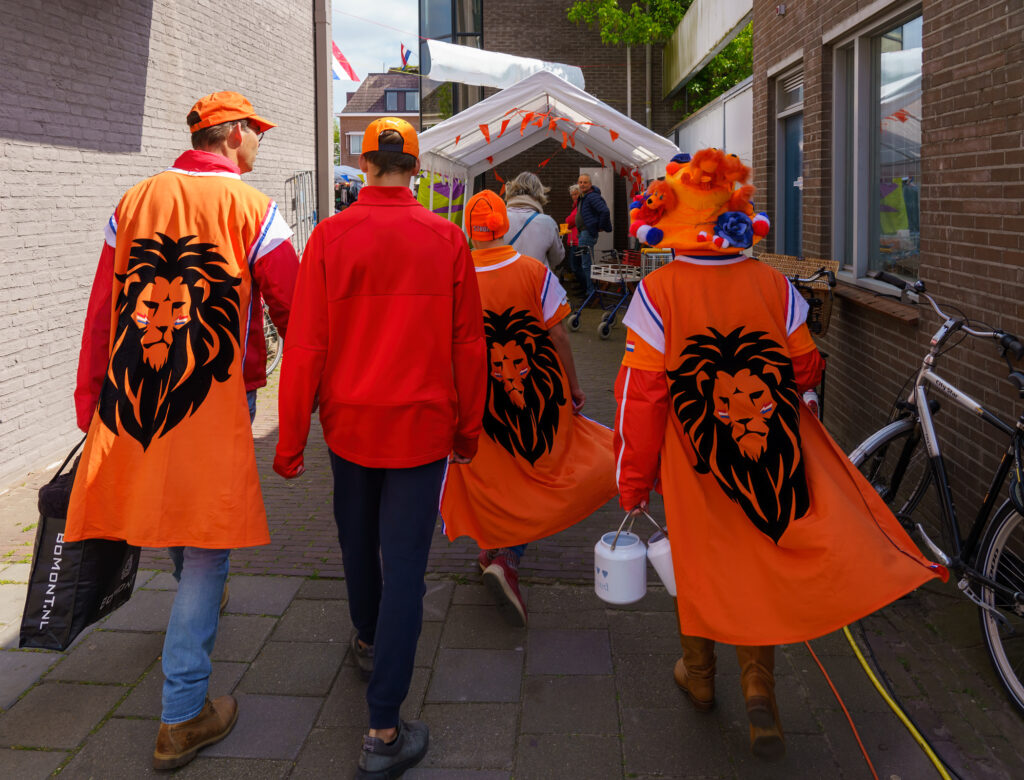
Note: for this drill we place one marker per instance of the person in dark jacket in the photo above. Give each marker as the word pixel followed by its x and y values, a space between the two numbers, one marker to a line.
pixel 592 217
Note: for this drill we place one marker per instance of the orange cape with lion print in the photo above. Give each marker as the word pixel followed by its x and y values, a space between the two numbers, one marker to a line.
pixel 169 457
pixel 539 468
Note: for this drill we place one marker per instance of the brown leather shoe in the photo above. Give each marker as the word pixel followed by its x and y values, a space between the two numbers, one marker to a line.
pixel 758 683
pixel 178 744
pixel 695 671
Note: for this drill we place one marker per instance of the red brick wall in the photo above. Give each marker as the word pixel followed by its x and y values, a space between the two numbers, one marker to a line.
pixel 972 220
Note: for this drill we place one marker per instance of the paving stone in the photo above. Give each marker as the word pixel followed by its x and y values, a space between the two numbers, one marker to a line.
pixel 203 768
pixel 647 681
pixel 476 675
pixel 323 589
pixel 147 610
pixel 163 580
pixel 564 598
pixel 345 706
pixel 656 600
pixel 261 595
pixel 554 651
pixel 30 764
pixel 145 700
pixel 560 756
pixel 655 740
pixel 480 627
pixel 12 602
pixel 569 705
pixel 471 594
pixel 643 632
pixel 806 756
pixel 110 657
pixel 121 748
pixel 315 620
pixel 437 599
pixel 584 618
pixel 268 727
pixel 471 736
pixel 413 704
pixel 426 773
pixel 57 715
pixel 329 753
pixel 240 637
pixel 426 647
pixel 294 668
pixel 19 670
pixel 16 572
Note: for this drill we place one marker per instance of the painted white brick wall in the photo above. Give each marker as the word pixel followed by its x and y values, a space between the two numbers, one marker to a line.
pixel 93 97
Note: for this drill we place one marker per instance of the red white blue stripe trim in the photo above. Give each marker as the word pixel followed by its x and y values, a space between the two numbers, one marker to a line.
pixel 796 309
pixel 273 231
pixel 110 232
pixel 643 319
pixel 552 296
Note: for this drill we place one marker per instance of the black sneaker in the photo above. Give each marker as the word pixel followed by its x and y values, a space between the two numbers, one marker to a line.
pixel 382 761
pixel 363 657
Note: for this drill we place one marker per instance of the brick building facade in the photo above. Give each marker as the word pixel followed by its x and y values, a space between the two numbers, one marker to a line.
pixel 941 201
pixel 93 99
pixel 380 94
pixel 533 28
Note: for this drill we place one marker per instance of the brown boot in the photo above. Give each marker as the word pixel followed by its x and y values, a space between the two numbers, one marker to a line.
pixel 178 744
pixel 758 682
pixel 695 671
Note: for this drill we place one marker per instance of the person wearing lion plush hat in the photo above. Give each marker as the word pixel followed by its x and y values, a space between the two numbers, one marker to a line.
pixel 542 466
pixel 775 537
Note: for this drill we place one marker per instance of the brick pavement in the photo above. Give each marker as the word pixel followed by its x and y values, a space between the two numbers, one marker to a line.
pixel 584 692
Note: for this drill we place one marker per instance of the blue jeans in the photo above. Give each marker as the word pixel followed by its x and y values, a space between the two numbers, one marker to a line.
pixel 250 397
pixel 586 254
pixel 192 629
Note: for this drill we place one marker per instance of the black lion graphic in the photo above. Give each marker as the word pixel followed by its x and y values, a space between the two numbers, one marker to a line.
pixel 525 384
pixel 736 398
pixel 177 331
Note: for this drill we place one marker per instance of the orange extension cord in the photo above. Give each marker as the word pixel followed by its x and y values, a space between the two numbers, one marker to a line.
pixel 846 712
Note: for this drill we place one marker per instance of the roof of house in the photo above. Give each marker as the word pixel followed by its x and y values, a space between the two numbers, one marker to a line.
pixel 369 97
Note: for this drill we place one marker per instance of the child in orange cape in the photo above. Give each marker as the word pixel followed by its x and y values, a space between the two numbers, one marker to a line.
pixel 542 466
pixel 775 537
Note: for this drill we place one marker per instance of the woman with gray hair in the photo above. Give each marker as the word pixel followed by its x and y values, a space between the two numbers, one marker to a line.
pixel 532 232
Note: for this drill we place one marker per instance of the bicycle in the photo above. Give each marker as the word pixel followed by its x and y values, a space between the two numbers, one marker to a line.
pixel 816 289
pixel 988 565
pixel 275 344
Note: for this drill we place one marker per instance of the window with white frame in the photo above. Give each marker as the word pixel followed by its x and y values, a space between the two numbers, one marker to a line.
pixel 877 154
pixel 391 100
pixel 355 143
pixel 789 155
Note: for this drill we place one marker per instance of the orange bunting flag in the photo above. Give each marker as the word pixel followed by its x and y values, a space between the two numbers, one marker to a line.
pixel 553 125
pixel 589 153
pixel 600 159
pixel 542 164
pixel 510 111
pixel 490 159
pixel 565 139
pixel 504 126
pixel 525 122
pixel 486 131
pixel 498 176
pixel 457 139
pixel 613 134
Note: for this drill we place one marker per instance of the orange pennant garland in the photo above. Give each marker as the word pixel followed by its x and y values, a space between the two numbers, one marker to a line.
pixel 490 159
pixel 542 164
pixel 504 126
pixel 565 139
pixel 486 131
pixel 613 134
pixel 457 139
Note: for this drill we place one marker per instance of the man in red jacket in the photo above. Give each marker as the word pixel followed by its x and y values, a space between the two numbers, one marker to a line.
pixel 386 327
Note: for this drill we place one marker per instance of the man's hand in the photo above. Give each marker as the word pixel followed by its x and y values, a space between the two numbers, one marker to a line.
pixel 289 468
pixel 456 458
pixel 578 399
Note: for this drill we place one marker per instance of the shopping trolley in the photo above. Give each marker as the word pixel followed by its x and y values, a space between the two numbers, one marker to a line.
pixel 620 271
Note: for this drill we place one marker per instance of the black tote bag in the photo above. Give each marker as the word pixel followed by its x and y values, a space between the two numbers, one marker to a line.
pixel 73 584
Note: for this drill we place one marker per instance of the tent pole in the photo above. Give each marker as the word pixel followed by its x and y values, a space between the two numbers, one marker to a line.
pixel 430 196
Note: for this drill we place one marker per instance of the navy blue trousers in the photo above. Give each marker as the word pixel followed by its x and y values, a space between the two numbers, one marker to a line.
pixel 386 519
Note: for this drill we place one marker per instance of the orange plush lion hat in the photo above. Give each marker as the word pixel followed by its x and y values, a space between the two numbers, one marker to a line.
pixel 702 207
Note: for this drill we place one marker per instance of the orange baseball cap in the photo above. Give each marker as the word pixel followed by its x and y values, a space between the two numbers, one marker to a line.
pixel 410 142
pixel 221 107
pixel 486 216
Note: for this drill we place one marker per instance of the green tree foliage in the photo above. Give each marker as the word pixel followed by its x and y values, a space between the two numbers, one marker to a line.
pixel 733 64
pixel 649 22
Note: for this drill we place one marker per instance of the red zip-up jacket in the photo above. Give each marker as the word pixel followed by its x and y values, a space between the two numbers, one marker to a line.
pixel 386 327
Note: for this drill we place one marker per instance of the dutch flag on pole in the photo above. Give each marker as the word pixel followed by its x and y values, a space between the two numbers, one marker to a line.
pixel 405 56
pixel 340 67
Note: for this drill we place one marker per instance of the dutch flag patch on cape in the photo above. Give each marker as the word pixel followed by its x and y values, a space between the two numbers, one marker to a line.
pixel 630 346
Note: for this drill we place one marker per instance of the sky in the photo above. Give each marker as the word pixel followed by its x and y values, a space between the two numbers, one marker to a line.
pixel 370 36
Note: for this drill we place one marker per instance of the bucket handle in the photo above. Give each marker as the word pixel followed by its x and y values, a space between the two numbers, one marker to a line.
pixel 631 515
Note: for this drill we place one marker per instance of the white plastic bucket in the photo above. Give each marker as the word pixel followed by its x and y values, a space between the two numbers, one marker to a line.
pixel 659 553
pixel 620 568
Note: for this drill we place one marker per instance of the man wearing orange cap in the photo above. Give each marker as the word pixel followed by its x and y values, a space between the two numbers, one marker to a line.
pixel 542 466
pixel 386 330
pixel 163 377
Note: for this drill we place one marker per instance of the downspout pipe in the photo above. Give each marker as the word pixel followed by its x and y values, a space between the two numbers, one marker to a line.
pixel 323 84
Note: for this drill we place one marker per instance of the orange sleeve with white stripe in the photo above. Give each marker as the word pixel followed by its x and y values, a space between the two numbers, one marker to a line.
pixel 641 396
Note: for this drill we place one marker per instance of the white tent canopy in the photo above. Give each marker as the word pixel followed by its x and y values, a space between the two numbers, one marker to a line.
pixel 457 147
pixel 466 65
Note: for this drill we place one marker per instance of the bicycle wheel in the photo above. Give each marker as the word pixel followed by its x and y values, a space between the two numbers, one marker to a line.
pixel 895 462
pixel 275 344
pixel 1002 560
